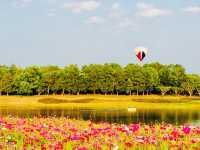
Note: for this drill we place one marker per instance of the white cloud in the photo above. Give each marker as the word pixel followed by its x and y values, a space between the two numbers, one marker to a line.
pixel 26 1
pixel 51 12
pixel 192 9
pixel 22 3
pixel 80 6
pixel 148 10
pixel 52 1
pixel 95 20
pixel 120 19
pixel 115 6
pixel 125 23
pixel 115 12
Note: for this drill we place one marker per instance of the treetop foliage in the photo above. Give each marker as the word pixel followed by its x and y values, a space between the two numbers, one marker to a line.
pixel 109 78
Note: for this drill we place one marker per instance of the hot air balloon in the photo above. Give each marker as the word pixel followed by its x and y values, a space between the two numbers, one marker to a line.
pixel 141 53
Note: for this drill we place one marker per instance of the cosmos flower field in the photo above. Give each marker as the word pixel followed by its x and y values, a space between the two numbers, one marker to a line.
pixel 62 133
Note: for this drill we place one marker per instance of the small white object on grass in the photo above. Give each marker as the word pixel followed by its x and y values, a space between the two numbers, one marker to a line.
pixel 131 109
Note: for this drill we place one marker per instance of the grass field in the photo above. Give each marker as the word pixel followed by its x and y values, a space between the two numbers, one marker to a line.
pixel 100 102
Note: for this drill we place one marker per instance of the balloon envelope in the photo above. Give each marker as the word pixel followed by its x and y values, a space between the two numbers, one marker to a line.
pixel 141 53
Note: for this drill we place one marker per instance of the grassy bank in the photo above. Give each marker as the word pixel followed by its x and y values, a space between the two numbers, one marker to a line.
pixel 100 102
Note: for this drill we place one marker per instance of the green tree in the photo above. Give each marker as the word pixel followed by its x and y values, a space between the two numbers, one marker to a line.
pixel 164 75
pixel 190 84
pixel 197 84
pixel 50 76
pixel 164 89
pixel 157 66
pixel 93 75
pixel 28 81
pixel 111 76
pixel 73 79
pixel 134 78
pixel 177 75
pixel 96 78
pixel 172 75
pixel 3 74
pixel 61 81
pixel 177 90
pixel 7 82
pixel 150 78
pixel 117 77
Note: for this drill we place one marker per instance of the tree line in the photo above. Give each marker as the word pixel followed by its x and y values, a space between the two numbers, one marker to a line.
pixel 132 79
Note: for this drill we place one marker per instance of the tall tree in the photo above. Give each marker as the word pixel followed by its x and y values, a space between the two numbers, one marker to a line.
pixel 93 76
pixel 105 79
pixel 150 78
pixel 134 78
pixel 177 75
pixel 28 81
pixel 96 78
pixel 49 78
pixel 7 82
pixel 190 84
pixel 3 74
pixel 197 84
pixel 164 89
pixel 117 77
pixel 73 79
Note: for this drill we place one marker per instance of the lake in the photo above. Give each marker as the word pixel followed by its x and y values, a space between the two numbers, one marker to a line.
pixel 112 115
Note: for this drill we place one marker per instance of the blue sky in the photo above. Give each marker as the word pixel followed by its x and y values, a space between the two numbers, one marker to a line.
pixel 65 32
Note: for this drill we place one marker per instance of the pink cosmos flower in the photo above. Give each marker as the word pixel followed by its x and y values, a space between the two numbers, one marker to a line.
pixel 80 148
pixel 186 130
pixel 21 122
pixel 9 126
pixel 58 146
pixel 175 134
pixel 77 138
pixel 194 140
pixel 74 129
pixel 134 127
pixel 1 121
pixel 198 131
pixel 97 146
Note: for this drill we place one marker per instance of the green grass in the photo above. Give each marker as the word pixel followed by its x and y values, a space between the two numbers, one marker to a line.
pixel 100 102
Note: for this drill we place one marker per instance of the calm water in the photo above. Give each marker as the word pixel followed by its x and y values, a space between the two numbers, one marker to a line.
pixel 112 115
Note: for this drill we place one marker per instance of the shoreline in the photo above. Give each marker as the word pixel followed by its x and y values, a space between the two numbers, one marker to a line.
pixel 100 102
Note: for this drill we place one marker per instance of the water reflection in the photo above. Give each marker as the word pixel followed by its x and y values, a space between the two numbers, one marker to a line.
pixel 112 116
